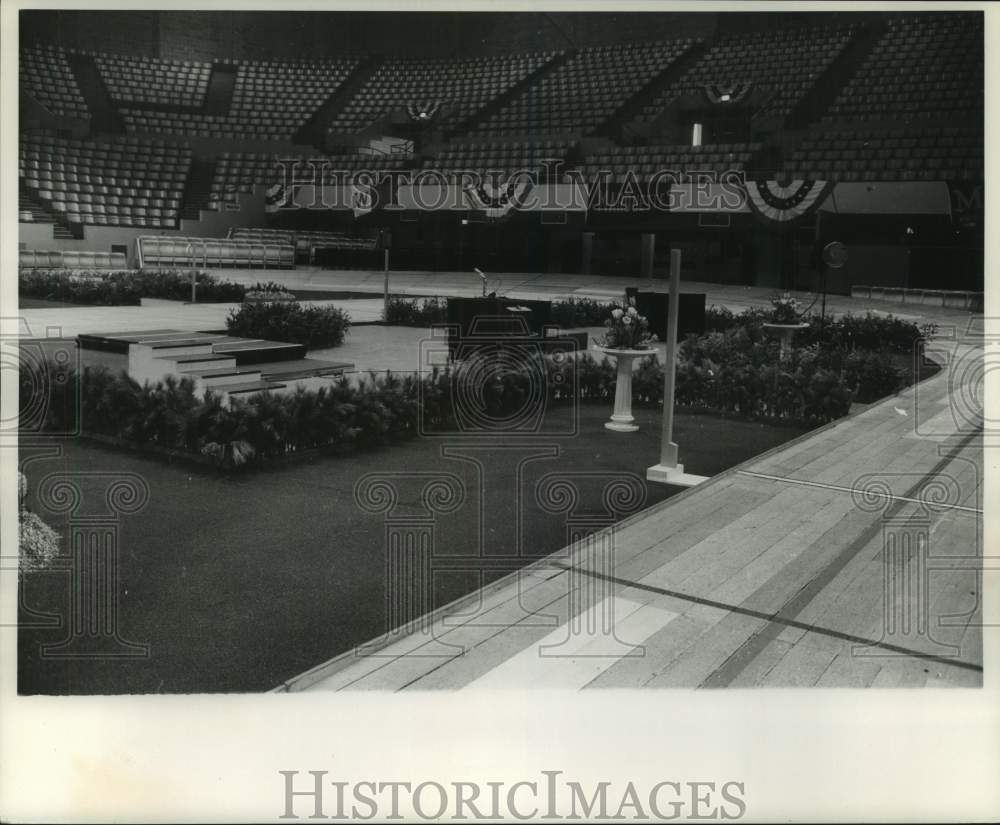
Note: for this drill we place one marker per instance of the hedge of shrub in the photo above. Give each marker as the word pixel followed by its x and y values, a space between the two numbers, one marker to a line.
pixel 381 409
pixel 579 312
pixel 115 288
pixel 409 312
pixel 175 285
pixel 268 291
pixel 168 415
pixel 123 287
pixel 866 332
pixel 314 326
pixel 737 371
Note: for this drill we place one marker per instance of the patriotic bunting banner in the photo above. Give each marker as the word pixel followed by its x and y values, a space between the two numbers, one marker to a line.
pixel 275 198
pixel 726 95
pixel 423 112
pixel 362 201
pixel 497 201
pixel 780 204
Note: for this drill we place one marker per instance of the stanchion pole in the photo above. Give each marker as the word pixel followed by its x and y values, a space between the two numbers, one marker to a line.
pixel 194 275
pixel 385 283
pixel 668 449
pixel 669 471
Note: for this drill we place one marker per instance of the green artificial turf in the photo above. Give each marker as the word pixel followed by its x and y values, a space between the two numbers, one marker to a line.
pixel 239 582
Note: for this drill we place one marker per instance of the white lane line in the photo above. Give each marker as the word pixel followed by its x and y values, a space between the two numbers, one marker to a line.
pixel 888 497
pixel 569 661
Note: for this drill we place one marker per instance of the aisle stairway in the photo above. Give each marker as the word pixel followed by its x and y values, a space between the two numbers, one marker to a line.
pixel 313 131
pixel 198 190
pixel 27 206
pixel 221 83
pixel 105 116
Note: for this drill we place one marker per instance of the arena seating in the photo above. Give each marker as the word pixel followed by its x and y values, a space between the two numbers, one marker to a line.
pixel 645 161
pixel 785 61
pixel 170 250
pixel 580 95
pixel 506 156
pixel 921 67
pixel 939 153
pixel 114 182
pixel 70 259
pixel 144 80
pixel 304 240
pixel 896 99
pixel 271 101
pixel 240 172
pixel 463 86
pixel 46 76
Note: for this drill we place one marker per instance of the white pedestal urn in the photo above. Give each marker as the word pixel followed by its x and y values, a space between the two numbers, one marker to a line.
pixel 785 333
pixel 622 420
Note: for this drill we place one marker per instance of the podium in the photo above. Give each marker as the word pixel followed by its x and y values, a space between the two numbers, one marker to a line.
pixel 490 320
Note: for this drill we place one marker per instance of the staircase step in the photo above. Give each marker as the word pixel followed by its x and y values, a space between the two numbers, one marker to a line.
pixel 198 189
pixel 253 352
pixel 305 368
pixel 61 228
pixel 252 387
pixel 193 363
pixel 225 378
pixel 170 346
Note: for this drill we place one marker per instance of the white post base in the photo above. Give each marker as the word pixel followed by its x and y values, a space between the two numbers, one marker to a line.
pixel 621 426
pixel 665 474
pixel 622 420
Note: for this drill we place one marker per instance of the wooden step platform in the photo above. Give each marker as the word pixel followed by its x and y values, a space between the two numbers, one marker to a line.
pixel 251 387
pixel 213 359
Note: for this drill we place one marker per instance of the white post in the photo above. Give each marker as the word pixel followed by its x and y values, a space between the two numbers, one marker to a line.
pixel 668 449
pixel 385 283
pixel 622 420
pixel 194 274
pixel 669 471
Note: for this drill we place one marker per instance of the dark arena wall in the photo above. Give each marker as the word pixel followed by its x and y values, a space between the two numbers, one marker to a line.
pixel 208 35
pixel 748 140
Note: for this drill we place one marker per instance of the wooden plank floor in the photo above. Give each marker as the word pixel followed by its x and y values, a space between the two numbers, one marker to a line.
pixel 848 558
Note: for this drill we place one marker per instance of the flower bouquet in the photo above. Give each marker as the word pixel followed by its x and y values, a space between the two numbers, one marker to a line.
pixel 627 329
pixel 38 544
pixel 265 293
pixel 785 310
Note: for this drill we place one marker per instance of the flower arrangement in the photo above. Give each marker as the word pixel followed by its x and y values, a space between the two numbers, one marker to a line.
pixel 268 292
pixel 785 310
pixel 627 329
